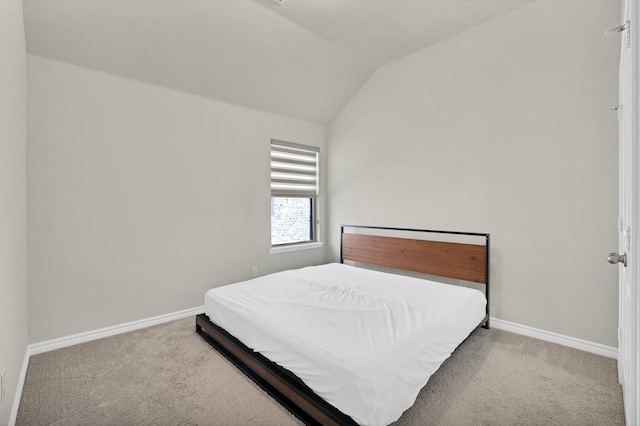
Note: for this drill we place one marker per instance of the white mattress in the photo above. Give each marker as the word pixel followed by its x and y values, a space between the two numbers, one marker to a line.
pixel 365 341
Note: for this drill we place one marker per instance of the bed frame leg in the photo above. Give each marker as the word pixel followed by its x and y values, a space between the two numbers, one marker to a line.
pixel 486 323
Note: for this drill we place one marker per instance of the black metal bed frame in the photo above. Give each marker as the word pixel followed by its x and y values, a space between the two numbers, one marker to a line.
pixel 282 384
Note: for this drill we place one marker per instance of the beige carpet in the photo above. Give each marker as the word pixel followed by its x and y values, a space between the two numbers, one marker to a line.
pixel 168 375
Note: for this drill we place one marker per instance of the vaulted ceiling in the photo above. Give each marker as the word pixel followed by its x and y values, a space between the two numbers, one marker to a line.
pixel 303 59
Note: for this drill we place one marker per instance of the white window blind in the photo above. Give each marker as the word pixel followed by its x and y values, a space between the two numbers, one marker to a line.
pixel 294 170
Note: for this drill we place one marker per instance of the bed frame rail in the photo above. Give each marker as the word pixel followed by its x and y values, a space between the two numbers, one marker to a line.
pixel 278 382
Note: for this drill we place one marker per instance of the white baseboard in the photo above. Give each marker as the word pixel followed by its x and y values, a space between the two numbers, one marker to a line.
pixel 548 336
pixel 63 342
pixel 16 400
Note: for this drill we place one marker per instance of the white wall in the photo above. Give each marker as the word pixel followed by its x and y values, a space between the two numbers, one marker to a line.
pixel 13 251
pixel 505 129
pixel 141 198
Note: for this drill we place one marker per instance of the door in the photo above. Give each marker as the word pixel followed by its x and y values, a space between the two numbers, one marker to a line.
pixel 628 221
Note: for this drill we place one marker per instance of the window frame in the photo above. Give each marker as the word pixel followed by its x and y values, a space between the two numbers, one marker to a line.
pixel 293 193
pixel 312 221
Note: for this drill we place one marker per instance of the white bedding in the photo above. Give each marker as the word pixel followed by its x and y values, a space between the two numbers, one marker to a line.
pixel 365 341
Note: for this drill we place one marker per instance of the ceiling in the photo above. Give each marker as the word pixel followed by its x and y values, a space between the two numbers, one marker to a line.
pixel 303 59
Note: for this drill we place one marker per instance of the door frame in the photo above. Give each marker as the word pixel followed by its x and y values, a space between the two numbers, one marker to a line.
pixel 629 296
pixel 632 407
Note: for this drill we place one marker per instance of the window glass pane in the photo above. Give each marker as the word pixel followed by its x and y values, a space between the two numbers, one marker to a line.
pixel 291 219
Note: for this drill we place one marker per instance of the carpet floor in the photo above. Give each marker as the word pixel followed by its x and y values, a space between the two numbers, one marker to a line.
pixel 168 375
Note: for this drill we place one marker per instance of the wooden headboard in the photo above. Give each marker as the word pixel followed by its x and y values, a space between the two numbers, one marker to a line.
pixel 468 262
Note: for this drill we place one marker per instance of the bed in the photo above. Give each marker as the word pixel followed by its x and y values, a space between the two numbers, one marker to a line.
pixel 339 344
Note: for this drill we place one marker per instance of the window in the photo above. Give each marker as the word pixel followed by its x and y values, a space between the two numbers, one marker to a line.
pixel 294 192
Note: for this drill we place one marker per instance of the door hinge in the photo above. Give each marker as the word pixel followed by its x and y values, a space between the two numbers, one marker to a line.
pixel 617 29
pixel 620 226
pixel 620 28
pixel 627 238
pixel 627 35
pixel 619 335
pixel 619 109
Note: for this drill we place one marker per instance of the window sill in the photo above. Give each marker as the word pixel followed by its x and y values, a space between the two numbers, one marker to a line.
pixel 295 247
